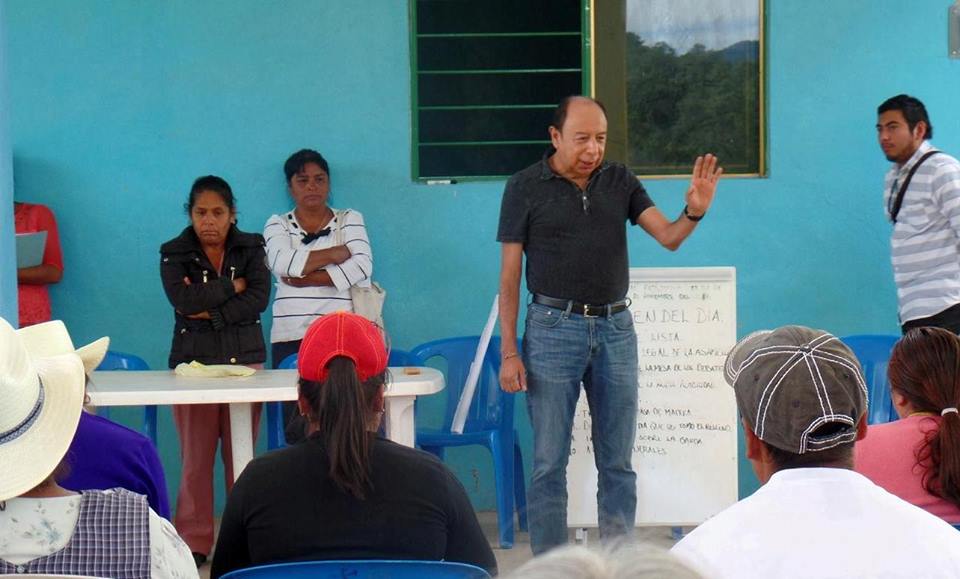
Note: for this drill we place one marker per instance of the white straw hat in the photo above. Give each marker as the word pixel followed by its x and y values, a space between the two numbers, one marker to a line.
pixel 41 403
pixel 52 339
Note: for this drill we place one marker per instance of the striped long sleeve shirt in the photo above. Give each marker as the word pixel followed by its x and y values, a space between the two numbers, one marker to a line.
pixel 925 243
pixel 294 308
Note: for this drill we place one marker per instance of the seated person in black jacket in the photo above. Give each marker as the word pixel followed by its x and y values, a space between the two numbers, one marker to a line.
pixel 344 493
pixel 218 283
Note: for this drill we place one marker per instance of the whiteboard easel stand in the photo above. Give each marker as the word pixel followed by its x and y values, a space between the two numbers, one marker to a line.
pixel 583 536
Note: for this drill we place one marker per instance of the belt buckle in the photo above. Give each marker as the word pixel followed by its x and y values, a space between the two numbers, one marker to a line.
pixel 586 312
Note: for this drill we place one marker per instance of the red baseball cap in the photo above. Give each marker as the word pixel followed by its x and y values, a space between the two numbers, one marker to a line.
pixel 342 334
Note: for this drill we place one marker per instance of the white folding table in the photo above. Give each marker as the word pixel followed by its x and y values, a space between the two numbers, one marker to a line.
pixel 163 387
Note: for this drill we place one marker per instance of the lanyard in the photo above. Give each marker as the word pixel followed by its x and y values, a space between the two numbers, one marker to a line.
pixel 893 206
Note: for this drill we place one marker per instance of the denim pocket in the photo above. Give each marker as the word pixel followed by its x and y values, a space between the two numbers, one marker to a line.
pixel 543 317
pixel 622 320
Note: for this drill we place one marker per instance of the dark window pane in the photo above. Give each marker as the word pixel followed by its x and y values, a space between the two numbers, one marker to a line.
pixel 485 125
pixel 476 16
pixel 499 52
pixel 497 89
pixel 488 75
pixel 458 161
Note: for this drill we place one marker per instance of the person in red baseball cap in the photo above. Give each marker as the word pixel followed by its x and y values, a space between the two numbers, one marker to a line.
pixel 345 492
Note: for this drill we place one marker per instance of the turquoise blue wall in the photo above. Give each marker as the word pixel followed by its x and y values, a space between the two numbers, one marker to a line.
pixel 8 264
pixel 116 107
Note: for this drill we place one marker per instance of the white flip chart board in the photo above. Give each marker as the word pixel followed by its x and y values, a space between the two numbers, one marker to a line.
pixel 685 452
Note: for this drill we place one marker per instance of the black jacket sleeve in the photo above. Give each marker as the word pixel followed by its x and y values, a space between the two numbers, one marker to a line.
pixel 195 297
pixel 247 305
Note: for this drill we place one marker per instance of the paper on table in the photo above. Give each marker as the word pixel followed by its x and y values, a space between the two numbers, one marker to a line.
pixel 212 370
pixel 466 395
pixel 30 248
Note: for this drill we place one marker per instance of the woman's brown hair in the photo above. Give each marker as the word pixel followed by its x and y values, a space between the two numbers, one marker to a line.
pixel 342 407
pixel 925 368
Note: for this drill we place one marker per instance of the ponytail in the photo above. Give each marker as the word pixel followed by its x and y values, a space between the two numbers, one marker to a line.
pixel 948 447
pixel 342 407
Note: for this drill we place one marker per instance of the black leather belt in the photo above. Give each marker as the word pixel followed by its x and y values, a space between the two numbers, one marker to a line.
pixel 588 310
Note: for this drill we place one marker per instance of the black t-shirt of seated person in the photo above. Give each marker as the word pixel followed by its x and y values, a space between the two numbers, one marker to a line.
pixel 285 507
pixel 576 249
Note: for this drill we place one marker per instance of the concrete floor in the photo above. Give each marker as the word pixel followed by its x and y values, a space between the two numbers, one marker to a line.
pixel 510 559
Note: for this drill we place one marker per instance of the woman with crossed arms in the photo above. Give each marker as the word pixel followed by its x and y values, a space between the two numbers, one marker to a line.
pixel 316 254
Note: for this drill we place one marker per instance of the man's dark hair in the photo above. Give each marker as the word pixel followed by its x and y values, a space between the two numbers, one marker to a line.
pixel 832 457
pixel 912 109
pixel 560 113
pixel 297 161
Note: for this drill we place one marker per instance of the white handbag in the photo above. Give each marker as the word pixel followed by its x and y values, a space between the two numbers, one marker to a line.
pixel 367 301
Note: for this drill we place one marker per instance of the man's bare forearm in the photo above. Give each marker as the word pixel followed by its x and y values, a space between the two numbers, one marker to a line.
pixel 509 308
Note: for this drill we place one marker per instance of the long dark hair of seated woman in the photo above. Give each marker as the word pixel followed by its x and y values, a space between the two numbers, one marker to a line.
pixel 344 414
pixel 925 368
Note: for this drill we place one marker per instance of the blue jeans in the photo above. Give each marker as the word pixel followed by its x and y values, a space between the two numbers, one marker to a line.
pixel 560 350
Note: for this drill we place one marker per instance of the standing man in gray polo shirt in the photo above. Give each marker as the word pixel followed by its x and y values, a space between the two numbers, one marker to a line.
pixel 568 214
pixel 922 200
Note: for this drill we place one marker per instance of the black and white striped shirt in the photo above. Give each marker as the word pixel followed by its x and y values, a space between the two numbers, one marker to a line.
pixel 925 243
pixel 295 308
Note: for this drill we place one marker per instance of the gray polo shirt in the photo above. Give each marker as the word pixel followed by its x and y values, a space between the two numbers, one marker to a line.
pixel 576 249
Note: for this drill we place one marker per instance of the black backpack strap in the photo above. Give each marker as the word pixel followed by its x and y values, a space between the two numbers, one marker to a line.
pixel 906 183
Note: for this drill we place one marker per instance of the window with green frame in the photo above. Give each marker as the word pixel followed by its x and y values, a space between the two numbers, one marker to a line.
pixel 685 77
pixel 678 77
pixel 487 75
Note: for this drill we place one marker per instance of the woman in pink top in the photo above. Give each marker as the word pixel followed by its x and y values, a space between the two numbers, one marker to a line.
pixel 32 281
pixel 918 457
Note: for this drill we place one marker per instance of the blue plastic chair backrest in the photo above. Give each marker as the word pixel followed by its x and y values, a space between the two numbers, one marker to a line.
pixel 288 363
pixel 873 351
pixel 122 361
pixel 401 358
pixel 490 404
pixel 362 570
pixel 397 358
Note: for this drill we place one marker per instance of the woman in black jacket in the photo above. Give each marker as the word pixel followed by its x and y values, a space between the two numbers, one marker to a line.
pixel 216 278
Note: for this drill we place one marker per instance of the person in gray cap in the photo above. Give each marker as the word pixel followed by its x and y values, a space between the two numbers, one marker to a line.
pixel 803 402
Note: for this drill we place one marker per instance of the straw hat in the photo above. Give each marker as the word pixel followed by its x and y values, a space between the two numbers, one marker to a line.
pixel 42 399
pixel 53 339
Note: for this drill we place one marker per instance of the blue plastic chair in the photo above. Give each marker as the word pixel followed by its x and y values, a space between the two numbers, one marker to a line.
pixel 361 570
pixel 123 361
pixel 400 358
pixel 275 425
pixel 489 423
pixel 873 351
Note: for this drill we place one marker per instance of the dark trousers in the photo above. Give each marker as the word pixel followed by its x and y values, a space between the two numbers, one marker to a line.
pixel 948 319
pixel 295 426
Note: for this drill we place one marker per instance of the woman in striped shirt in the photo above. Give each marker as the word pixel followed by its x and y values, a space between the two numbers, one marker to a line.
pixel 316 254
